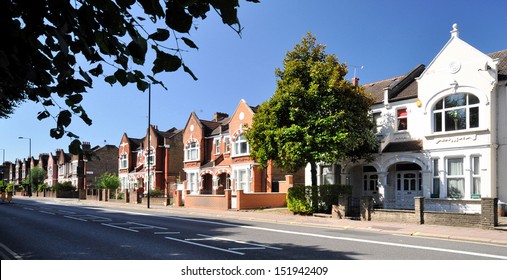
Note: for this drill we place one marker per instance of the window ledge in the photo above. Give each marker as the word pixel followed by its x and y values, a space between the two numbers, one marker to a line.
pixel 457 133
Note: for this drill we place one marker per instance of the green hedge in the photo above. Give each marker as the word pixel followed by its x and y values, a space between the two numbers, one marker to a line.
pixel 65 186
pixel 307 200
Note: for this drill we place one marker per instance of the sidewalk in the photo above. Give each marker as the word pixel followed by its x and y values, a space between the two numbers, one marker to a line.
pixel 496 236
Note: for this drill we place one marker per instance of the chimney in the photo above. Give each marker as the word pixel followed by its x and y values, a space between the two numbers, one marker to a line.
pixel 86 146
pixel 220 116
pixel 355 81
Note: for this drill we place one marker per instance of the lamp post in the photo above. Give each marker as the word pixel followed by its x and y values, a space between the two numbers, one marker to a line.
pixel 149 143
pixel 3 165
pixel 29 158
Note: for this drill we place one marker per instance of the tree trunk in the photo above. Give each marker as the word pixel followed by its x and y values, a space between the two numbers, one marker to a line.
pixel 314 173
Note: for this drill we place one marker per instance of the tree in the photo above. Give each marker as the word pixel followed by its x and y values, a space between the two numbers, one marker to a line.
pixel 108 181
pixel 37 176
pixel 44 42
pixel 315 114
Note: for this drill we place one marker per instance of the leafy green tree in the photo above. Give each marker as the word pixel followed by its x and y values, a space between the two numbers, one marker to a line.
pixel 37 176
pixel 108 181
pixel 315 114
pixel 53 50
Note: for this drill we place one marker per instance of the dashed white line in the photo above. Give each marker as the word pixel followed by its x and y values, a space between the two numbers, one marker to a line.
pixel 240 242
pixel 110 225
pixel 166 232
pixel 205 246
pixel 75 218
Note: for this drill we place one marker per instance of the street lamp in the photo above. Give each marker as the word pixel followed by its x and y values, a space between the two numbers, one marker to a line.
pixel 29 158
pixel 149 143
pixel 3 166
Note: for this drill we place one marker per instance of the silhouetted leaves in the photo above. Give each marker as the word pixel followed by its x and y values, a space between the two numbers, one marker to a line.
pixel 41 40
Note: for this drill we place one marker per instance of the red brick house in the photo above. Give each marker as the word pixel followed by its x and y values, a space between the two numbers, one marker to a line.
pixel 52 168
pixel 165 160
pixel 217 156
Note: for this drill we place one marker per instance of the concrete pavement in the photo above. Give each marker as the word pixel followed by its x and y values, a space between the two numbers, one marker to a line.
pixel 496 236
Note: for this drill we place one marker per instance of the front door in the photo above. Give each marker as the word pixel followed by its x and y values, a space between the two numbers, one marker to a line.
pixel 408 186
pixel 370 184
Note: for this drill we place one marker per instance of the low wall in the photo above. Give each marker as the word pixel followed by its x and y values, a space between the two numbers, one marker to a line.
pixel 219 202
pixel 487 218
pixel 260 200
pixel 452 219
pixel 391 215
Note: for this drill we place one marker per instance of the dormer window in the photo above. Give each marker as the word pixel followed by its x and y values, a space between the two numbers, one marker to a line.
pixel 456 112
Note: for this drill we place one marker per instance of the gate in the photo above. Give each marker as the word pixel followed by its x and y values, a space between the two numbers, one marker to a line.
pixel 353 207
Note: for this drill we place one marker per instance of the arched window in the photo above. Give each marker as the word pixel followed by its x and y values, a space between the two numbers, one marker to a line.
pixel 456 112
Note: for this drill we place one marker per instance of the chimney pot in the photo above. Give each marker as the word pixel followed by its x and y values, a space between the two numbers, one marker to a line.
pixel 355 81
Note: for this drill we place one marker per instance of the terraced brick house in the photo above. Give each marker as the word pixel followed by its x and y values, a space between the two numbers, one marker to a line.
pixel 162 151
pixel 217 156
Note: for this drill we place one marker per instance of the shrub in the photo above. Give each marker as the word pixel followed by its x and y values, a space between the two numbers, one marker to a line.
pixel 156 193
pixel 65 186
pixel 315 199
pixel 297 201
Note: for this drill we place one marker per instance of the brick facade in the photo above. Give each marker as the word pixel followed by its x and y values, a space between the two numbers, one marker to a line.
pixel 217 156
pixel 166 168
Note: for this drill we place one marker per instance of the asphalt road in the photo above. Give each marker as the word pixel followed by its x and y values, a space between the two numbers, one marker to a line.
pixel 46 230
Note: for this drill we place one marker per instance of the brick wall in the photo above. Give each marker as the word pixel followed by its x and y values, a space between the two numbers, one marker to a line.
pixel 488 217
pixel 260 200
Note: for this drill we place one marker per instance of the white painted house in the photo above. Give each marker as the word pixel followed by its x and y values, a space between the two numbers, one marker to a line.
pixel 442 132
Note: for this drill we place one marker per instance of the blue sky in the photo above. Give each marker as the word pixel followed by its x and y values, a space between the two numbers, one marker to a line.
pixel 388 38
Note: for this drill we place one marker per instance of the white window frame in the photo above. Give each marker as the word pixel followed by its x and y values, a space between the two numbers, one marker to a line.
pixel 124 161
pixel 243 182
pixel 216 142
pixel 376 117
pixel 227 141
pixel 193 181
pixel 475 182
pixel 455 176
pixel 444 111
pixel 401 118
pixel 435 191
pixel 150 157
pixel 239 143
pixel 192 151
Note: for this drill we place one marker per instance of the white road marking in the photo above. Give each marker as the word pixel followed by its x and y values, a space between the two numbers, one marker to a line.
pixel 111 225
pixel 47 212
pixel 330 237
pixel 205 246
pixel 240 242
pixel 10 252
pixel 75 218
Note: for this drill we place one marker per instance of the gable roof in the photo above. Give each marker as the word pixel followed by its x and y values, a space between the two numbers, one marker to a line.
pixel 399 88
pixel 405 86
pixel 502 63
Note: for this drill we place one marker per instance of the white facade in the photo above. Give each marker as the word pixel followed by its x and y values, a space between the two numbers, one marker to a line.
pixel 442 132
